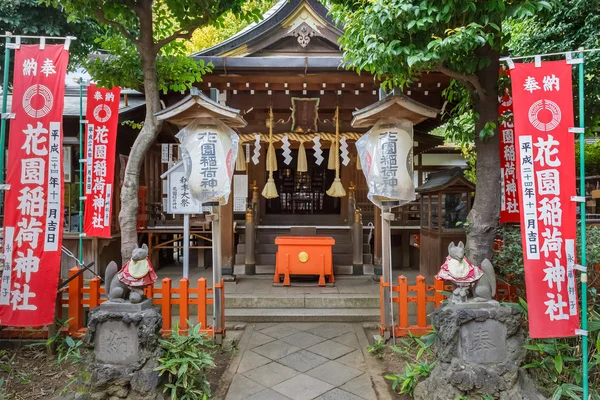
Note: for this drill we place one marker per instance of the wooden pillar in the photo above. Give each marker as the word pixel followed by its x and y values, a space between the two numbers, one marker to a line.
pixel 420 169
pixel 227 237
pixel 377 241
pixel 405 248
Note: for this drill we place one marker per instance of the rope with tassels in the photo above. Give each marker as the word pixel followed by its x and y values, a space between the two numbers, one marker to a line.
pixel 337 189
pixel 270 190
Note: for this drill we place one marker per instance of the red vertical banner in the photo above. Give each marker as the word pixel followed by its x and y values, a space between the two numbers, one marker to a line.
pixel 509 206
pixel 543 112
pixel 34 203
pixel 102 113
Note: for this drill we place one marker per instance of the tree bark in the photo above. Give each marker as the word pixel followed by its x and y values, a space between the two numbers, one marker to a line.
pixel 146 137
pixel 483 217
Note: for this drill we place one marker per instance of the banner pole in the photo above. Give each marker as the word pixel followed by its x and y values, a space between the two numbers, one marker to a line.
pixel 584 316
pixel 81 169
pixel 4 116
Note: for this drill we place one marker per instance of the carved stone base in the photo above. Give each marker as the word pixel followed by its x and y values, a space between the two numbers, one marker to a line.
pixel 479 350
pixel 125 338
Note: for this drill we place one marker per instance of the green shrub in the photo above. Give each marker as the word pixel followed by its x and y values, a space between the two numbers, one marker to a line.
pixel 185 362
pixel 412 375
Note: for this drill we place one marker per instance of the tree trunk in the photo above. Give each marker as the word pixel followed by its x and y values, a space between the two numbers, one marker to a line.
pixel 146 137
pixel 483 218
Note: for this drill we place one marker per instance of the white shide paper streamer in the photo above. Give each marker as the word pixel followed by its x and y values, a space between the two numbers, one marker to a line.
pixel 287 153
pixel 318 152
pixel 256 155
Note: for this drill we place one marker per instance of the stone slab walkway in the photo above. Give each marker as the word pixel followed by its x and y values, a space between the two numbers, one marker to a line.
pixel 304 361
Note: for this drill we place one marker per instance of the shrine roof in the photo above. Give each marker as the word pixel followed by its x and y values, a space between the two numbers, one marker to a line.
pixel 198 105
pixel 397 105
pixel 441 180
pixel 304 21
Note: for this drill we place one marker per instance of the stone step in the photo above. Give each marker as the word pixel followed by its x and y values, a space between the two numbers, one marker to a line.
pixel 302 314
pixel 297 301
pixel 269 269
pixel 264 248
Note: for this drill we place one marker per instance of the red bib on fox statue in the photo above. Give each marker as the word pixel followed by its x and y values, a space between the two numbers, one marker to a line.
pixel 138 273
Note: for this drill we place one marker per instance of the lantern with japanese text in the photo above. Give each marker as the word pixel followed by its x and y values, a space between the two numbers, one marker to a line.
pixel 209 154
pixel 386 154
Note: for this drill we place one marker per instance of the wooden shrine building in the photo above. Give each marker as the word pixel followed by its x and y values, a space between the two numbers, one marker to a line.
pixel 290 64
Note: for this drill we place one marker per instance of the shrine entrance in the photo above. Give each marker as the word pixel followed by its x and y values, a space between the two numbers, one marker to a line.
pixel 303 192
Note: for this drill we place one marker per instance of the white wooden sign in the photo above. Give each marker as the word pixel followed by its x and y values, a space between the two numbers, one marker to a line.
pixel 179 198
pixel 240 192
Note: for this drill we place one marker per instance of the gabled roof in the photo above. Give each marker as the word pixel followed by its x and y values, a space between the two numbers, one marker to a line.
pixel 440 180
pixel 197 105
pixel 302 20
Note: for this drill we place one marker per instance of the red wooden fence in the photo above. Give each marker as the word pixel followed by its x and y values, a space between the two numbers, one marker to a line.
pixel 422 294
pixel 79 299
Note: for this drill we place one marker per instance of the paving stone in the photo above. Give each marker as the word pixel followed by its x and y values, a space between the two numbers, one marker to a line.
pixel 303 360
pixel 276 350
pixel 259 326
pixel 268 394
pixel 242 387
pixel 334 373
pixel 360 386
pixel 302 387
pixel 303 339
pixel 251 360
pixel 280 331
pixel 330 349
pixel 271 374
pixel 354 360
pixel 258 339
pixel 304 326
pixel 338 394
pixel 330 331
pixel 349 339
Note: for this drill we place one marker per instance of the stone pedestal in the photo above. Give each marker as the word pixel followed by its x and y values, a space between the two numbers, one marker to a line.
pixel 125 338
pixel 479 349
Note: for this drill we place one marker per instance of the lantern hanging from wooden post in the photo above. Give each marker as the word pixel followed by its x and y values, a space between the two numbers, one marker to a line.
pixel 337 189
pixel 386 152
pixel 270 190
pixel 204 143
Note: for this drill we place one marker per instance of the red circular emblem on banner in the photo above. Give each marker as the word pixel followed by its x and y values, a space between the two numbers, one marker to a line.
pixel 31 102
pixel 544 115
pixel 102 108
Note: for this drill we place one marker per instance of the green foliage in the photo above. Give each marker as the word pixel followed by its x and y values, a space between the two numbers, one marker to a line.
pixel 377 348
pixel 591 153
pixel 405 383
pixel 232 23
pixel 186 361
pixel 28 17
pixel 556 363
pixel 66 348
pixel 573 24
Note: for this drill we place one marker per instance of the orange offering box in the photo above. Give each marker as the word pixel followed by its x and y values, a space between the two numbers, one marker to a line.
pixel 304 255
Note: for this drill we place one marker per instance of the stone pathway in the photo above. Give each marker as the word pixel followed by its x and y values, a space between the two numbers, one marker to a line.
pixel 302 361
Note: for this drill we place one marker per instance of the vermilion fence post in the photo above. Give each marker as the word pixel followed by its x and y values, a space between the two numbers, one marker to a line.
pixel 184 311
pixel 94 293
pixel 402 302
pixel 75 309
pixel 421 302
pixel 202 303
pixel 438 287
pixel 166 303
pixel 382 326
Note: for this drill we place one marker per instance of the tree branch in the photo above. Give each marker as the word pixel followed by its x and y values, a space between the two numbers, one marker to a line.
pixel 183 33
pixel 102 18
pixel 470 80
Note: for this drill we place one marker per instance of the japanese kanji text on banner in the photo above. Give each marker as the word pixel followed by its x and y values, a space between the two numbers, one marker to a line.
pixel 33 227
pixel 543 114
pixel 509 206
pixel 100 144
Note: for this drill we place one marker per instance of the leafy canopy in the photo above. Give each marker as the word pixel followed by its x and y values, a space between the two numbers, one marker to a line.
pixel 153 30
pixel 28 17
pixel 399 40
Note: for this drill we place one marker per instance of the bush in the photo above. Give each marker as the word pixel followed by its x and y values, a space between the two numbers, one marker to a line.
pixel 186 361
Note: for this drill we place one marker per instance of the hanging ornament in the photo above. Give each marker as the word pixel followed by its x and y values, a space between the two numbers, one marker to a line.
pixel 358 164
pixel 337 189
pixel 287 153
pixel 318 152
pixel 344 152
pixel 240 162
pixel 270 190
pixel 332 156
pixel 302 164
pixel 256 154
